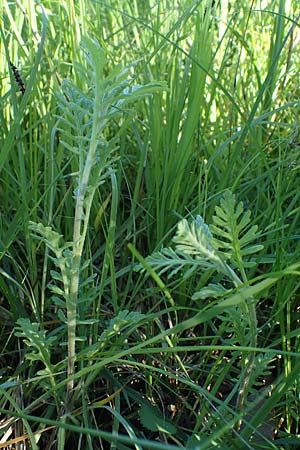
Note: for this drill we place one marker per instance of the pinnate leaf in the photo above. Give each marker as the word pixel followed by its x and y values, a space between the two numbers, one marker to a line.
pixel 233 231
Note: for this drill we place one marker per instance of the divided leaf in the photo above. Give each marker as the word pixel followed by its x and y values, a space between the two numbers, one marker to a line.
pixel 169 260
pixel 233 233
pixel 51 238
pixel 198 246
pixel 37 341
pixel 195 239
pixel 62 260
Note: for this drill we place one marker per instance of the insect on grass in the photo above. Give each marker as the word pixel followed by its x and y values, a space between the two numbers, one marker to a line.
pixel 18 78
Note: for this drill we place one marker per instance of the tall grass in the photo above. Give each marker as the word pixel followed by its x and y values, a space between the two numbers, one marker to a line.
pixel 137 117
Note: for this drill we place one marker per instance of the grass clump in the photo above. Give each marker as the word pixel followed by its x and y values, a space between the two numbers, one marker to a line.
pixel 149 218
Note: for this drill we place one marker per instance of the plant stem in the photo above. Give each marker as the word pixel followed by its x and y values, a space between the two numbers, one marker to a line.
pixel 84 198
pixel 249 359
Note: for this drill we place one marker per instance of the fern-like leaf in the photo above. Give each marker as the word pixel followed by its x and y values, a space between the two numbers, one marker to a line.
pixel 38 342
pixel 171 261
pixel 195 239
pixel 62 260
pixel 233 232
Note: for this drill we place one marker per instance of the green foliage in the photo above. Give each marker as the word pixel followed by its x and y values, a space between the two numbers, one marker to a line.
pixel 152 419
pixel 119 323
pixel 211 291
pixel 85 116
pixel 97 158
pixel 232 232
pixel 40 344
pixel 197 241
pixel 115 334
pixel 40 349
pixel 174 261
pixel 228 240
pixel 62 259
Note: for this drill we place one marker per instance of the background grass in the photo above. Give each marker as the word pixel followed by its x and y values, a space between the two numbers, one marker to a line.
pixel 149 372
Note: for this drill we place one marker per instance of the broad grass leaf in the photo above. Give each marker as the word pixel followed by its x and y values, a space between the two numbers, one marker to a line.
pixel 248 292
pixel 152 419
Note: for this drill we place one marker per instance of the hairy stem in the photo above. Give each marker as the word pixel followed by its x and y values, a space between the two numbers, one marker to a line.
pixel 85 194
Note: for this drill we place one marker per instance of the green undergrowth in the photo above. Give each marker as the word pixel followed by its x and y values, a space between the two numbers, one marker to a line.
pixel 149 225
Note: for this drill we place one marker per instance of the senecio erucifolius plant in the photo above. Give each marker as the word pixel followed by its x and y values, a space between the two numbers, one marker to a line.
pixel 225 247
pixel 85 113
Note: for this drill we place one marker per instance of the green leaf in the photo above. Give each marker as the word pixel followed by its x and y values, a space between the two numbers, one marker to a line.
pixel 152 419
pixel 62 316
pixel 38 343
pixel 233 231
pixel 211 291
pixel 10 384
pixel 195 239
pixel 248 292
pixel 119 323
pixel 169 260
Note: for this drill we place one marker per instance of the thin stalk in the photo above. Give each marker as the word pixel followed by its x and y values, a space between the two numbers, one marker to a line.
pixel 249 358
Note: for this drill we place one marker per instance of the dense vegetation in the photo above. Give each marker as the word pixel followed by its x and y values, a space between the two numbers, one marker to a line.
pixel 149 219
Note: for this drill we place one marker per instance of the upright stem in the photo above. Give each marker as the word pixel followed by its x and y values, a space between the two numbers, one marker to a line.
pixel 249 359
pixel 84 197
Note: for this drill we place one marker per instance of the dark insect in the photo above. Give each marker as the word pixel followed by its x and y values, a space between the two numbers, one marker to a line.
pixel 18 78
